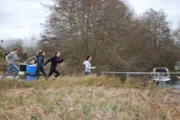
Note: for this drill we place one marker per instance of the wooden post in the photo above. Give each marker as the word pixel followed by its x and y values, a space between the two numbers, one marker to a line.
pixel 4 69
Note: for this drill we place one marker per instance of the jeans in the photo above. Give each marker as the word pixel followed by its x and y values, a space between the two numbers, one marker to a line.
pixel 10 69
pixel 53 70
pixel 40 69
pixel 86 73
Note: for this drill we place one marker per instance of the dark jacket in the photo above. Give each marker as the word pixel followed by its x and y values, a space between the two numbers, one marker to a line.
pixel 54 61
pixel 40 60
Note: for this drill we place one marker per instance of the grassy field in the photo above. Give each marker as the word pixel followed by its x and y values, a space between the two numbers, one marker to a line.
pixel 87 98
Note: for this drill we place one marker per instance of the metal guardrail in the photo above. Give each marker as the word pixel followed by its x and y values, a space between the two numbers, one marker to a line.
pixel 138 73
pixel 4 68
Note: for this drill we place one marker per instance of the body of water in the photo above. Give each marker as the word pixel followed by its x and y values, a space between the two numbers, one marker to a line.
pixel 176 85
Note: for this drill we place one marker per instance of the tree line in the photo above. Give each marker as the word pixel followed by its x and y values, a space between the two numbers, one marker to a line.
pixel 111 32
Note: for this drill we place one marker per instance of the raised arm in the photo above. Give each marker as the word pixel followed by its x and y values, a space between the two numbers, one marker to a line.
pixel 49 60
pixel 35 59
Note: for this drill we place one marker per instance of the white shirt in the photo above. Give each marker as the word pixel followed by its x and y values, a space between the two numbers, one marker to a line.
pixel 87 65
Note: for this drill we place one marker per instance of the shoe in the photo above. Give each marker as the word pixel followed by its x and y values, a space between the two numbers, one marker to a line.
pixel 54 78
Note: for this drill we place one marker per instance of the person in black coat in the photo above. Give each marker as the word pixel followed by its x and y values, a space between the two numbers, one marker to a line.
pixel 40 64
pixel 54 61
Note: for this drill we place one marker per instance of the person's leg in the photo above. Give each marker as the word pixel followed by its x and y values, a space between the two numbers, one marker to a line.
pixel 87 73
pixel 37 71
pixel 16 70
pixel 51 72
pixel 43 72
pixel 57 73
pixel 8 72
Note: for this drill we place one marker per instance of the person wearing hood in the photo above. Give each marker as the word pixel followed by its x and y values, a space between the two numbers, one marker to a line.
pixel 87 65
pixel 54 61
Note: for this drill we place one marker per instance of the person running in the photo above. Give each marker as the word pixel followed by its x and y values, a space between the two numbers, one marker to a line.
pixel 54 61
pixel 87 65
pixel 11 59
pixel 40 64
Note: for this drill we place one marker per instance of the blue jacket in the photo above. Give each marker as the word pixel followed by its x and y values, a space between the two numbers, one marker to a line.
pixel 40 60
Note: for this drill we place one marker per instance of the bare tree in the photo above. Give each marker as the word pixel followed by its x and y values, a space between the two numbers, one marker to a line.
pixel 24 51
pixel 107 30
pixel 159 37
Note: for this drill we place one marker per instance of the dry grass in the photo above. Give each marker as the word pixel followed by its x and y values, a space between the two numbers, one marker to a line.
pixel 87 98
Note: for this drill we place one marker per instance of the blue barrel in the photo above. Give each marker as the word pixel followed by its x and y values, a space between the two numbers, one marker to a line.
pixel 31 69
pixel 30 72
pixel 31 78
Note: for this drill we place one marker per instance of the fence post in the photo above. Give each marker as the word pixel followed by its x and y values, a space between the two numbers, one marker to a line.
pixel 160 82
pixel 102 73
pixel 4 68
pixel 127 75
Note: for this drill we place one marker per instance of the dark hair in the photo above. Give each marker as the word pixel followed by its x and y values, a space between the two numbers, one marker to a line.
pixel 56 52
pixel 15 49
pixel 88 57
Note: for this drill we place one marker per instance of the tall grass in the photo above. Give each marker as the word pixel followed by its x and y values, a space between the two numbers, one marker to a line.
pixel 87 98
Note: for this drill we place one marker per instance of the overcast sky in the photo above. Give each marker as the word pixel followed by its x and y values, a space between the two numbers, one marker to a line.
pixel 171 8
pixel 23 18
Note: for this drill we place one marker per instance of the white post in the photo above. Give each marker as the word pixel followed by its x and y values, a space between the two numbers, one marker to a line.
pixel 127 75
pixel 102 73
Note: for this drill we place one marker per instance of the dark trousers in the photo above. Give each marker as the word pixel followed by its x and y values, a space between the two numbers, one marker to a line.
pixel 40 69
pixel 86 73
pixel 53 70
